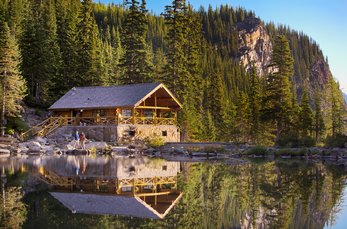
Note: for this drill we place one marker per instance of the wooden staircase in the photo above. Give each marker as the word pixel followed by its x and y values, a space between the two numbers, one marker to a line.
pixel 51 178
pixel 43 128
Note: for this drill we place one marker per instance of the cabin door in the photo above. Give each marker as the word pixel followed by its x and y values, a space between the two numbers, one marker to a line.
pixel 74 113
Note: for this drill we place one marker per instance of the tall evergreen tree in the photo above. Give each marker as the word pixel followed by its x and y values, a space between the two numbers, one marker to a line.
pixel 277 100
pixel 67 21
pixel 176 75
pixel 305 116
pixel 136 62
pixel 318 118
pixel 88 47
pixel 337 108
pixel 254 106
pixel 40 51
pixel 13 87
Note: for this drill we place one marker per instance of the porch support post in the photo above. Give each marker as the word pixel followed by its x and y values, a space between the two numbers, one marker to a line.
pixel 155 109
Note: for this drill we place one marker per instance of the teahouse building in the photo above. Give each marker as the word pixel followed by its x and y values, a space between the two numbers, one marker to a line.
pixel 137 110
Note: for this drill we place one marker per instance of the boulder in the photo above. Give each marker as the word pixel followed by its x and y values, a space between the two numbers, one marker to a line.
pixel 3 146
pixel 48 149
pixel 4 151
pixel 42 141
pixel 96 145
pixel 71 145
pixel 119 149
pixel 22 148
pixel 34 146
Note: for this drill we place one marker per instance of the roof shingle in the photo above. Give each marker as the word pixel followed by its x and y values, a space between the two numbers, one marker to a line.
pixel 103 97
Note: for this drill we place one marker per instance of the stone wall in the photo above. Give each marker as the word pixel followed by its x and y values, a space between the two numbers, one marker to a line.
pixel 114 133
pixel 169 133
pixel 96 133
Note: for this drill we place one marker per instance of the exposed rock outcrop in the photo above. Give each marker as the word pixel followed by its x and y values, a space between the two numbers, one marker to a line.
pixel 254 45
pixel 320 74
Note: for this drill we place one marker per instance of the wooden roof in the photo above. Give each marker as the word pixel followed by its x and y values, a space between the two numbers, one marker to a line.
pixel 110 96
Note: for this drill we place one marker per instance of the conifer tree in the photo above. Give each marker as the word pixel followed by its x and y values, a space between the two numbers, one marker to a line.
pixel 337 108
pixel 40 51
pixel 305 115
pixel 136 62
pixel 88 47
pixel 216 99
pixel 254 105
pixel 67 21
pixel 318 119
pixel 176 75
pixel 277 99
pixel 243 117
pixel 13 87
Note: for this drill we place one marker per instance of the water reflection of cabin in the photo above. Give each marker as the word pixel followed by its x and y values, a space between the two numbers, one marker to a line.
pixel 150 107
pixel 151 185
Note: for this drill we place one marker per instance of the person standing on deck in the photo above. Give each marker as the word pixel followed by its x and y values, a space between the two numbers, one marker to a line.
pixel 83 140
pixel 76 137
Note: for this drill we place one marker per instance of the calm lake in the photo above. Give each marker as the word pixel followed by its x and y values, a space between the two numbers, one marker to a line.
pixel 121 192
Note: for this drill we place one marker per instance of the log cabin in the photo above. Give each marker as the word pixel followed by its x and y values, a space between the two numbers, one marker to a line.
pixel 116 112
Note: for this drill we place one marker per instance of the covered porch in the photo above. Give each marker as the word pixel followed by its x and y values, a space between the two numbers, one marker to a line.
pixel 158 107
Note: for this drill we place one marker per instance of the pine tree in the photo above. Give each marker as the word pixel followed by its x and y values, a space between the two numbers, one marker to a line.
pixel 216 99
pixel 337 108
pixel 136 62
pixel 67 20
pixel 13 86
pixel 305 116
pixel 243 117
pixel 176 75
pixel 254 106
pixel 88 47
pixel 40 51
pixel 318 119
pixel 277 100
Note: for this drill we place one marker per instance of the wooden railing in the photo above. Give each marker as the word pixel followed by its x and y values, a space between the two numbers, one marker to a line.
pixel 154 121
pixel 49 125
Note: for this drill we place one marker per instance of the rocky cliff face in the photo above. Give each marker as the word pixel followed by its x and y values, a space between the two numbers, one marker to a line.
pixel 320 74
pixel 254 45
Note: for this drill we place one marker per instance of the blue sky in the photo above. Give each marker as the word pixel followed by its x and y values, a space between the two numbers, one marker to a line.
pixel 323 20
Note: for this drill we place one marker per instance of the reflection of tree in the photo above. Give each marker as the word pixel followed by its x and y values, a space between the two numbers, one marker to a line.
pixel 290 194
pixel 13 211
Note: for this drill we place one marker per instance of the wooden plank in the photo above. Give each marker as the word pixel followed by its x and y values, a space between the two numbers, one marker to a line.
pixel 152 194
pixel 153 107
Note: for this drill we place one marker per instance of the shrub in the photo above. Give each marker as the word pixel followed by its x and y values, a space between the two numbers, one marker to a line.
pixel 17 124
pixel 292 140
pixel 336 141
pixel 286 152
pixel 154 141
pixel 289 140
pixel 307 141
pixel 257 150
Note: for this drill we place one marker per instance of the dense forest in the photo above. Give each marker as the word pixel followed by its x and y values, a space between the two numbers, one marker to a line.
pixel 48 47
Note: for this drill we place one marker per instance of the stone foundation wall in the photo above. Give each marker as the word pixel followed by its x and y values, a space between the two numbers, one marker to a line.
pixel 97 133
pixel 169 133
pixel 113 133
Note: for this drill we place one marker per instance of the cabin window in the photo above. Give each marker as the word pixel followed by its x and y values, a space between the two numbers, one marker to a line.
pixel 132 169
pixel 100 113
pixel 164 133
pixel 148 187
pixel 164 167
pixel 126 113
pixel 126 189
pixel 166 114
pixel 148 113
